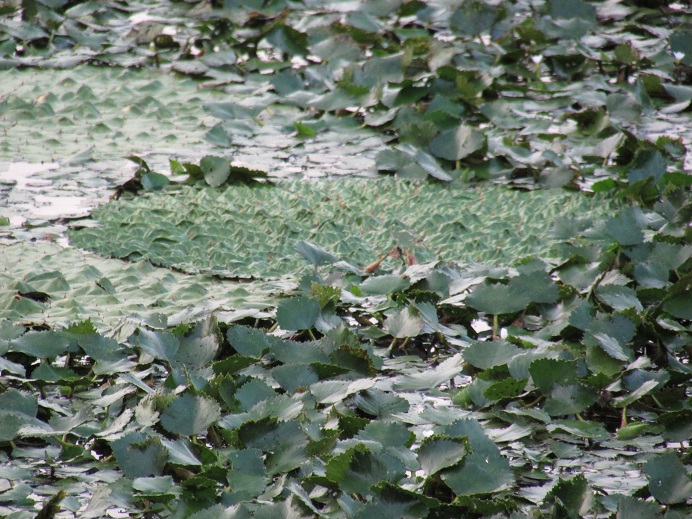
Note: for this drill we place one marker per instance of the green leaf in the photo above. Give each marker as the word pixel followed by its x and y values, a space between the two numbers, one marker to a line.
pixel 216 512
pixel 430 378
pixel 253 392
pixel 625 228
pixel 507 388
pixel 430 165
pixel 536 286
pixel 357 469
pixel 681 42
pixel 286 442
pixel 486 354
pixel 635 430
pixel 669 482
pixel 679 306
pixel 152 181
pixel 288 40
pixel 216 169
pixel 569 399
pixel 573 497
pixel 14 401
pixel 611 346
pixel 297 313
pixel 677 424
pixel 140 455
pixel 160 345
pixel 612 335
pixel 474 17
pixel 581 429
pixel 48 373
pixel 247 475
pixel 496 299
pixel 633 508
pixel 378 403
pixel 484 470
pixel 405 322
pixel 294 376
pixel 572 9
pixel 190 415
pixel 647 163
pixel 547 373
pixel 248 341
pixel 385 284
pixel 315 254
pixel 154 486
pixel 635 395
pixel 395 502
pixel 439 452
pixel 42 345
pixel 180 452
pixel 455 144
pixel 305 131
pixel 618 297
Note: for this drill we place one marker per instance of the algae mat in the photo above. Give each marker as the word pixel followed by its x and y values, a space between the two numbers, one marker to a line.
pixel 253 231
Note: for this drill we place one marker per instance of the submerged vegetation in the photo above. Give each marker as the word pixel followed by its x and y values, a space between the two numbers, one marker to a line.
pixel 503 329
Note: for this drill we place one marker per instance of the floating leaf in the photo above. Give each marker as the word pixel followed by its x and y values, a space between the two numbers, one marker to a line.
pixel 484 470
pixel 455 144
pixel 42 345
pixel 439 452
pixel 668 479
pixel 679 306
pixel 572 497
pixel 485 355
pixel 315 254
pixel 180 452
pixel 569 399
pixel 572 9
pixel 430 165
pixel 190 415
pixel 297 313
pixel 216 170
pixel 474 18
pixel 248 341
pixel 140 455
pixel 405 322
pixel 160 345
pixel 496 299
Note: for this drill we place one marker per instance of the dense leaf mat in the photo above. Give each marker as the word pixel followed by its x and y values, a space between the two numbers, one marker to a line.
pixel 45 283
pixel 112 111
pixel 555 388
pixel 252 231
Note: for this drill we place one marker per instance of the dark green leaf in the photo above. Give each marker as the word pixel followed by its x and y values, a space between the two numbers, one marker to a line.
pixel 496 299
pixel 297 313
pixel 216 170
pixel 668 479
pixel 569 399
pixel 484 355
pixel 484 470
pixel 248 341
pixel 438 452
pixel 573 497
pixel 140 455
pixel 42 345
pixel 455 144
pixel 190 415
pixel 160 345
